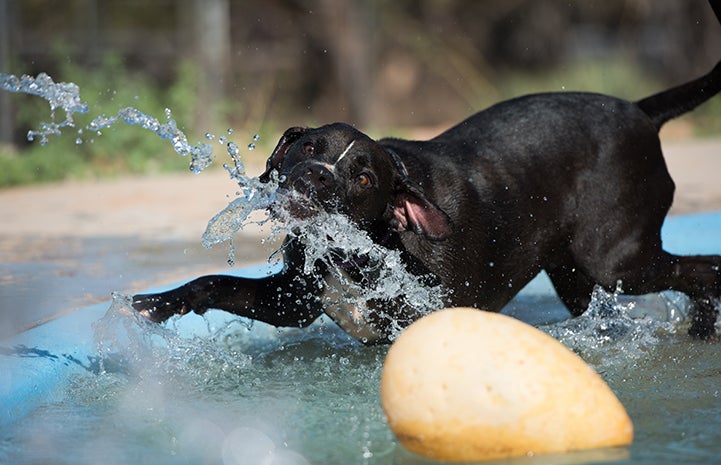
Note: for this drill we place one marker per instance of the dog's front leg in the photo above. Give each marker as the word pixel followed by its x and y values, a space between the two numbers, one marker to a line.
pixel 279 300
pixel 288 298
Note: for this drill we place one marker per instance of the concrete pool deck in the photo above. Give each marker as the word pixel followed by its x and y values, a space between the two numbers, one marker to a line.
pixel 65 246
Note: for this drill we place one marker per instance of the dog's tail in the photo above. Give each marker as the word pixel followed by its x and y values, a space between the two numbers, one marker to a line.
pixel 676 101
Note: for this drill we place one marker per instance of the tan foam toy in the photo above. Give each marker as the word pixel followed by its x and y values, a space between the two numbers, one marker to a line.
pixel 464 385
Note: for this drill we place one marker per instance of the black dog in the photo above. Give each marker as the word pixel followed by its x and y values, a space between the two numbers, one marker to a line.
pixel 571 183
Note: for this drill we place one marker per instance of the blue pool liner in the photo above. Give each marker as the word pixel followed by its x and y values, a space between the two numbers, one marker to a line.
pixel 36 365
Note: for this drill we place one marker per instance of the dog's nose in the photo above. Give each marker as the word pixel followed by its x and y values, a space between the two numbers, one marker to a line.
pixel 319 176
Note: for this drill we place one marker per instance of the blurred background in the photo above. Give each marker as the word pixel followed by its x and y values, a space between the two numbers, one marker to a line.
pixel 391 67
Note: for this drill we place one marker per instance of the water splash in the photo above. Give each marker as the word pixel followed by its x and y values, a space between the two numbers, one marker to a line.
pixel 253 196
pixel 201 154
pixel 61 95
pixel 256 138
pixel 335 240
pixel 66 95
pixel 327 238
pixel 128 340
pixel 238 377
pixel 613 329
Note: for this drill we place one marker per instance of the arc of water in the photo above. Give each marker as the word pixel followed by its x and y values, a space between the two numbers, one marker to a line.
pixel 64 95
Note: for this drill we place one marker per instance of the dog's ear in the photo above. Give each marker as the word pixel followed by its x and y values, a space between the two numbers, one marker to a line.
pixel 415 213
pixel 412 211
pixel 276 158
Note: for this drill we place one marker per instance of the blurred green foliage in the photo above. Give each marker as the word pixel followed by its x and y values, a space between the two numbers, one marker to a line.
pixel 403 68
pixel 124 149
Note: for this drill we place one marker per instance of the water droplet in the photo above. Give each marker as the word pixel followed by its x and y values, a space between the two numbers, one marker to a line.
pixel 251 146
pixel 167 113
pixel 256 137
pixel 78 141
pixel 233 149
pixel 223 140
pixel 209 136
pixel 230 131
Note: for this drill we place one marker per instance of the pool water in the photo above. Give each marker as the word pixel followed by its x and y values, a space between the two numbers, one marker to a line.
pixel 221 390
pixel 271 398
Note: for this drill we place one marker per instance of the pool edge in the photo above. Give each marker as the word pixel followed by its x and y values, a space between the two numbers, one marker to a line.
pixel 38 363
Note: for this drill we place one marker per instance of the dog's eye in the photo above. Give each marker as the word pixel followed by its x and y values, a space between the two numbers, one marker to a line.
pixel 309 148
pixel 364 180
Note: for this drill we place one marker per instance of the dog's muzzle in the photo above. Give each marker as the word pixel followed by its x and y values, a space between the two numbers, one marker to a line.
pixel 307 189
pixel 293 204
pixel 309 178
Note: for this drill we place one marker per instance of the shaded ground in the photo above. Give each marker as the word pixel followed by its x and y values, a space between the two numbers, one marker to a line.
pixel 68 245
pixel 65 246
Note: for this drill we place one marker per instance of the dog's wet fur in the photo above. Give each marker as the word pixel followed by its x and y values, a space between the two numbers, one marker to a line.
pixel 571 183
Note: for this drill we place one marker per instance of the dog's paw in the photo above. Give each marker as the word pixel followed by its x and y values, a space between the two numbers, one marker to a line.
pixel 160 307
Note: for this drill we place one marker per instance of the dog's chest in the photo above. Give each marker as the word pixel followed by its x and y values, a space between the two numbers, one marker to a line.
pixel 347 307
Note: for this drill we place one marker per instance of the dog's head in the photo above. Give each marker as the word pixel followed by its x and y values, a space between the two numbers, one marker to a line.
pixel 338 169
